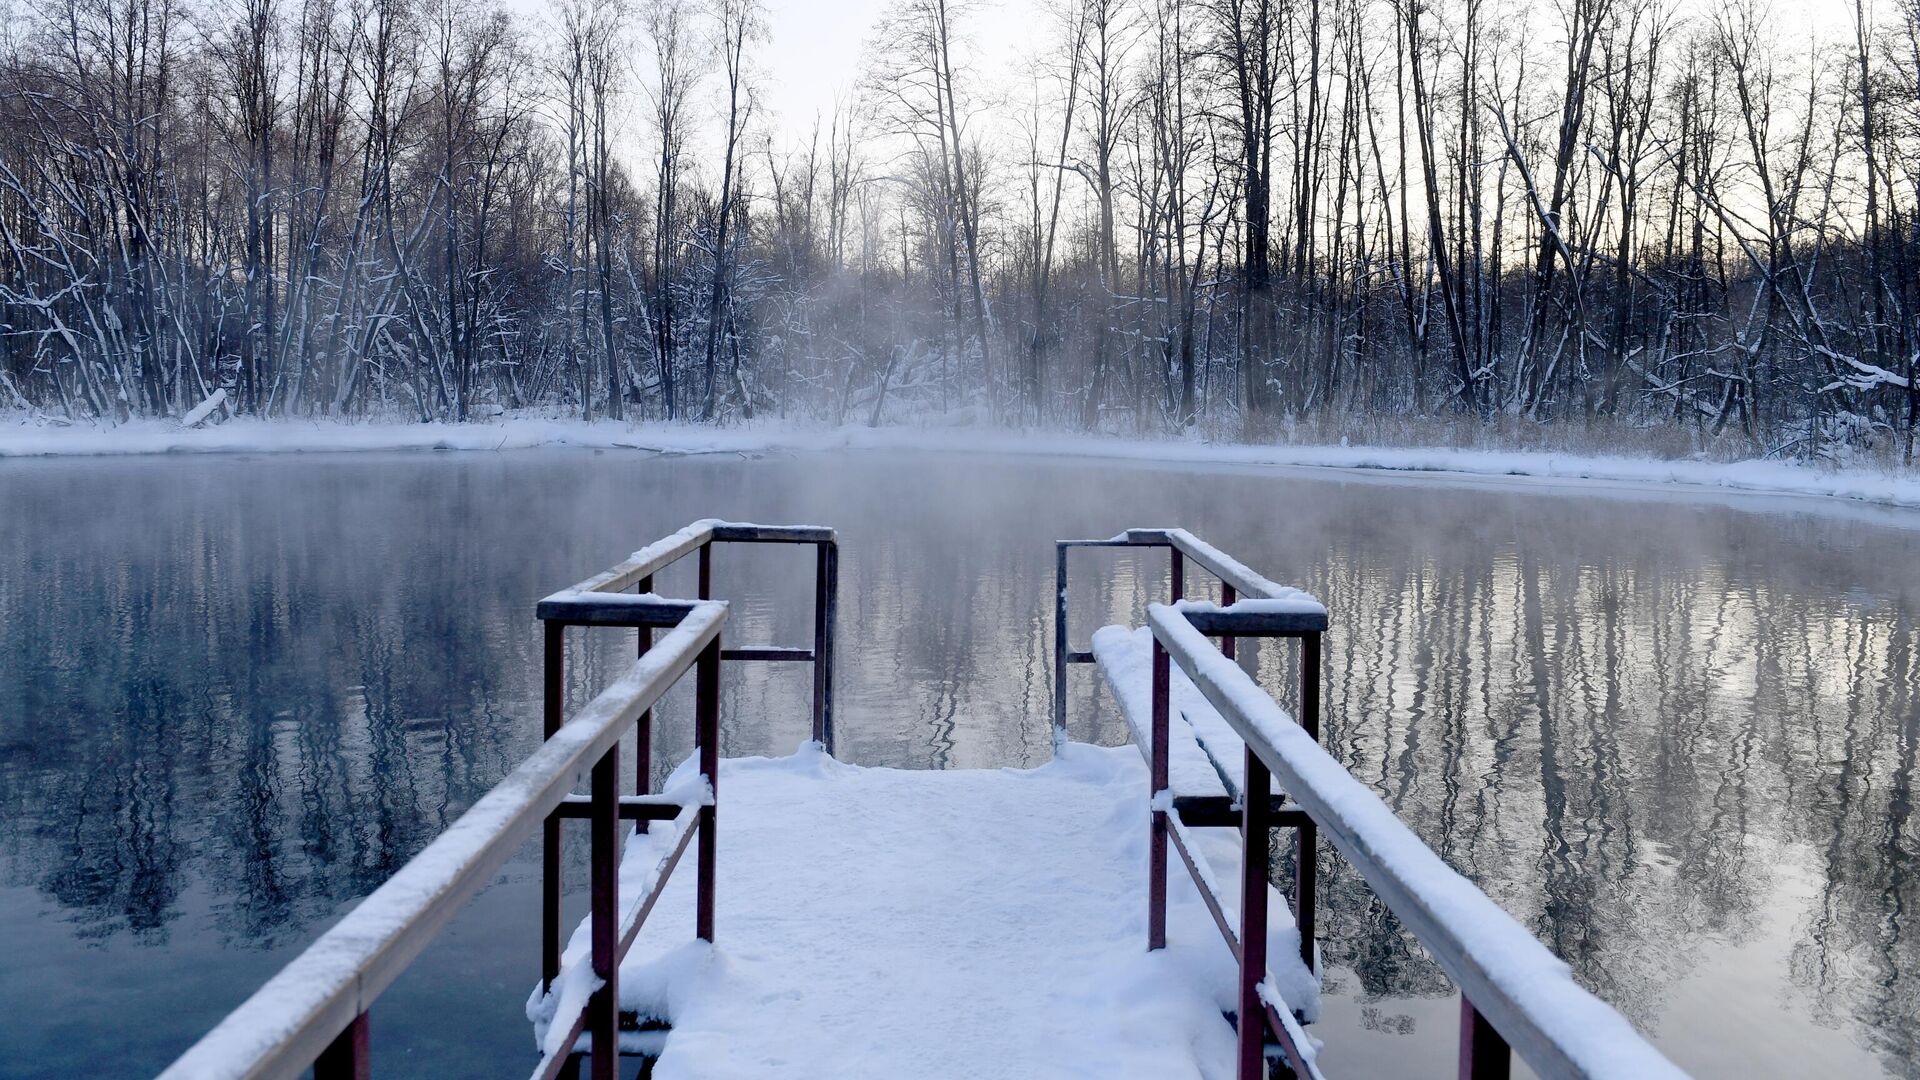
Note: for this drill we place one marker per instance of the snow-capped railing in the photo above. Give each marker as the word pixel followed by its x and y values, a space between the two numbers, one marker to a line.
pixel 1286 609
pixel 601 601
pixel 1516 996
pixel 1251 606
pixel 314 1011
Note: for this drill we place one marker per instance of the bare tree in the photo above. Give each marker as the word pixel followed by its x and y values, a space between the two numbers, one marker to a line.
pixel 739 22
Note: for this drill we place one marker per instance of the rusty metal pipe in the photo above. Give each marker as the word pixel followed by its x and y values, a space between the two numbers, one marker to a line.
pixel 1256 820
pixel 554 690
pixel 1157 783
pixel 1484 1055
pixel 706 710
pixel 349 1056
pixel 603 1009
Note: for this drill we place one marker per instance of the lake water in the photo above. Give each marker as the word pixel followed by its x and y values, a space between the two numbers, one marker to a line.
pixel 1673 733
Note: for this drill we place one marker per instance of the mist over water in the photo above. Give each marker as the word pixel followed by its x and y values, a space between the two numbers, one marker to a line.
pixel 1674 735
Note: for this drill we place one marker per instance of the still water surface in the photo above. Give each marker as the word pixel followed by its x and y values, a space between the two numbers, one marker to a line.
pixel 1674 734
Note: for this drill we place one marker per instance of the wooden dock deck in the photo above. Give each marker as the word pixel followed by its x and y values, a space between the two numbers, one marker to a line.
pixel 1112 913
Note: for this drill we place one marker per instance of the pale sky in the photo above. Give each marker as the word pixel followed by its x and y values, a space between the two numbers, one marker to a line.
pixel 814 54
pixel 817 48
pixel 815 51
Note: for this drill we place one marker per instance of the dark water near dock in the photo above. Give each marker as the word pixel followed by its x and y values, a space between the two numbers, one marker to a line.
pixel 1674 734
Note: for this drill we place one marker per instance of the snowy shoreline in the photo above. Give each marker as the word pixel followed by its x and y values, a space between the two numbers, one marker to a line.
pixel 517 433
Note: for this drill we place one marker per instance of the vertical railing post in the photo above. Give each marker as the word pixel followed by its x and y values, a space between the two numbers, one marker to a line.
pixel 1157 784
pixel 706 735
pixel 1059 646
pixel 349 1056
pixel 643 728
pixel 603 1009
pixel 554 690
pixel 1227 597
pixel 1162 720
pixel 823 655
pixel 826 572
pixel 1306 865
pixel 1484 1054
pixel 1256 818
pixel 706 724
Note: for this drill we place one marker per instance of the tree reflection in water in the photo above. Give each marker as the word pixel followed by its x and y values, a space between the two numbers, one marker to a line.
pixel 236 694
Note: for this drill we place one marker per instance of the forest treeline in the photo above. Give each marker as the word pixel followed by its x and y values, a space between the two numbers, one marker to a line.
pixel 1230 214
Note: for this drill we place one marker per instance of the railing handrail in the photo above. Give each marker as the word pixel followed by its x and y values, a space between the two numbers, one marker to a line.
pixel 1284 609
pixel 600 600
pixel 1246 583
pixel 670 549
pixel 297 1013
pixel 1521 988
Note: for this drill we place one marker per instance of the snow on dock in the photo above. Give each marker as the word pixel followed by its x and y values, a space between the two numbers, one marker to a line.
pixel 887 922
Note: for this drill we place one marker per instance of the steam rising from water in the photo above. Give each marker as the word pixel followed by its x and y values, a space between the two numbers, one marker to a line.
pixel 1676 740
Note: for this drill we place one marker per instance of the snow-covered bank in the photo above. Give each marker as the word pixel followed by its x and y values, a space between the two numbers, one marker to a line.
pixel 302 436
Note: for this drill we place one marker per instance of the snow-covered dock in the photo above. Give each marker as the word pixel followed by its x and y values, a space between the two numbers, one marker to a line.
pixel 890 923
pixel 843 921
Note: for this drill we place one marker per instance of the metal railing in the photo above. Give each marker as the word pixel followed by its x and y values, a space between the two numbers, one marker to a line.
pixel 1249 942
pixel 1236 581
pixel 315 1010
pixel 1515 995
pixel 600 601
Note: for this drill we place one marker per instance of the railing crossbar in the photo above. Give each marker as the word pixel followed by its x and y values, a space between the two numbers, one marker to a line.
pixel 1279 611
pixel 576 980
pixel 670 549
pixel 600 600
